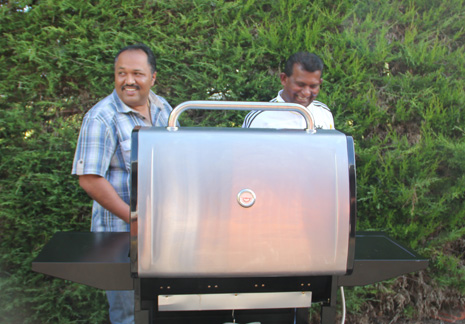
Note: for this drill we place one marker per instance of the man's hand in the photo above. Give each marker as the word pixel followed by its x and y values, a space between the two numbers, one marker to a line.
pixel 99 189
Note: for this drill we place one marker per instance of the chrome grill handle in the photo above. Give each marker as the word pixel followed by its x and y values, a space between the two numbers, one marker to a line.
pixel 239 105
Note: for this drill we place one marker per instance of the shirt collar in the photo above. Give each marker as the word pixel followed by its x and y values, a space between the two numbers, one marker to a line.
pixel 279 98
pixel 121 107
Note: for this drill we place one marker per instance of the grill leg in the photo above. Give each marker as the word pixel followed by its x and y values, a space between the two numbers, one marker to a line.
pixel 142 309
pixel 328 311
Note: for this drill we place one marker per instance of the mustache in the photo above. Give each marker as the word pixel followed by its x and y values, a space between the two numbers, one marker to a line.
pixel 130 85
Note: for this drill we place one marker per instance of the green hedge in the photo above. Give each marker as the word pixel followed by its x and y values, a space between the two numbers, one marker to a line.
pixel 394 80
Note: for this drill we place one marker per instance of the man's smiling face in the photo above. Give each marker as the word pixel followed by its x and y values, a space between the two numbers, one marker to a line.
pixel 134 78
pixel 302 86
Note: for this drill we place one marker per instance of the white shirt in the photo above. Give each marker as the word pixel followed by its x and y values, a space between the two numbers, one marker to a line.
pixel 323 119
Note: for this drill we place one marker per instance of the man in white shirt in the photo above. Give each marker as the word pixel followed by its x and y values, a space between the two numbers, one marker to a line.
pixel 301 82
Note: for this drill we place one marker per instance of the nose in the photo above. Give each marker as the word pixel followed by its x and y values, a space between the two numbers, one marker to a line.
pixel 130 79
pixel 306 91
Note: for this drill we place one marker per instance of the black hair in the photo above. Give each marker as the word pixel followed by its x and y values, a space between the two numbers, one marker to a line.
pixel 140 46
pixel 310 62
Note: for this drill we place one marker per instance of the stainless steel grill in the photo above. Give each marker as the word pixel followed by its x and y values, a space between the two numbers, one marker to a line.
pixel 232 219
pixel 230 202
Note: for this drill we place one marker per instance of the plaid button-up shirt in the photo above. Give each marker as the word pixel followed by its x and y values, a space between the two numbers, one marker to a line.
pixel 104 149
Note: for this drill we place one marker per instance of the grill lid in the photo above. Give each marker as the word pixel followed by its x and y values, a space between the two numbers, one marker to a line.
pixel 230 202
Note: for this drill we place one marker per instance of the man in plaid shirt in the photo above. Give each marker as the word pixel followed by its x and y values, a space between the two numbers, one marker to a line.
pixel 102 158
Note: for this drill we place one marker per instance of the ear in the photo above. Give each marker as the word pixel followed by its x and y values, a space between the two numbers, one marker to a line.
pixel 283 78
pixel 321 81
pixel 154 77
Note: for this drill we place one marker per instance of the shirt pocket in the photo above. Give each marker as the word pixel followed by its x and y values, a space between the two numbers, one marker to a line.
pixel 126 152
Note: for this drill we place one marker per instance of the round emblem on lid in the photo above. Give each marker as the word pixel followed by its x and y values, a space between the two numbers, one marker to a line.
pixel 246 198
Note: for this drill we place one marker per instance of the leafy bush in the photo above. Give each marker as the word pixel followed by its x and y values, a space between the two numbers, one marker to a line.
pixel 394 79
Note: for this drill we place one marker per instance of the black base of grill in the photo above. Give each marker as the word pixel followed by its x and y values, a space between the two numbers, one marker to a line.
pixel 323 288
pixel 152 287
pixel 101 260
pixel 148 314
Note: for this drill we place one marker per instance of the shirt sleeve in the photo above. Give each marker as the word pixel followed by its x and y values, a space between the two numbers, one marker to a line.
pixel 95 148
pixel 249 118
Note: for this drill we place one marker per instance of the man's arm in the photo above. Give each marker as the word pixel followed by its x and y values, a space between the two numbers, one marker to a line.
pixel 99 189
